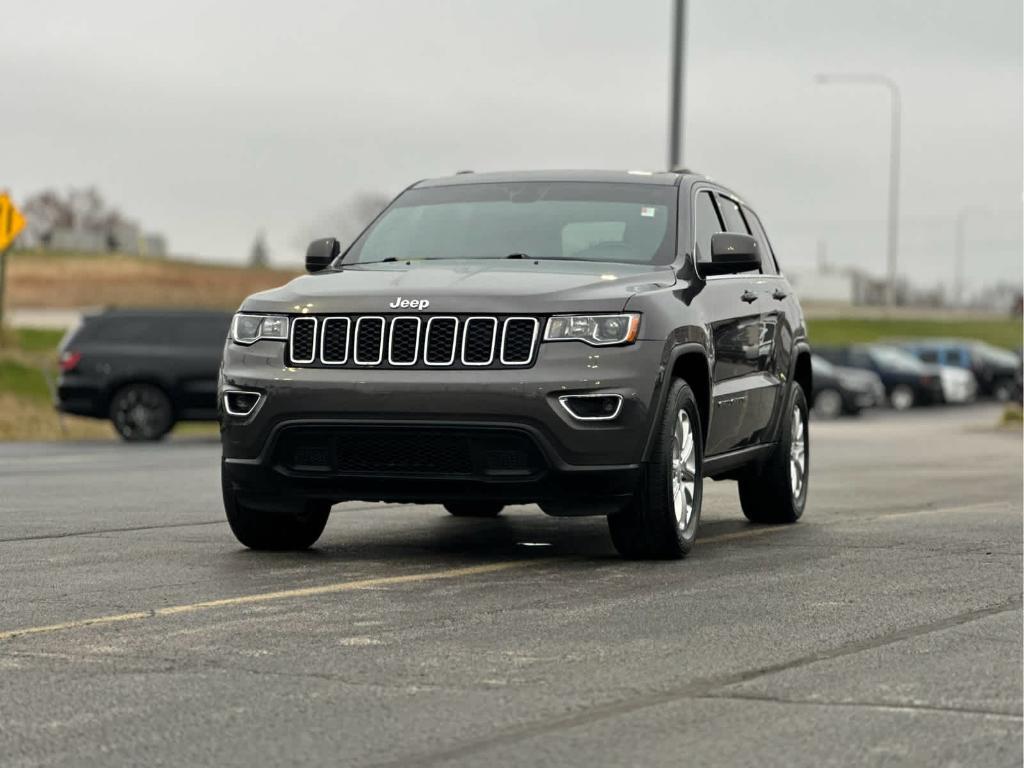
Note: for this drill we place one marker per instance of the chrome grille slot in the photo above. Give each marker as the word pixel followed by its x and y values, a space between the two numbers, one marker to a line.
pixel 441 340
pixel 302 344
pixel 369 341
pixel 404 341
pixel 518 336
pixel 414 341
pixel 478 336
pixel 334 340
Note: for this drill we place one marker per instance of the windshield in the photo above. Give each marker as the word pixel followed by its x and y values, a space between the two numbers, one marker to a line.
pixel 896 359
pixel 578 221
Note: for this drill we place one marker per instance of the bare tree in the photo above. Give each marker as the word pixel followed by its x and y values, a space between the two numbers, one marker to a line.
pixel 259 254
pixel 82 209
pixel 347 221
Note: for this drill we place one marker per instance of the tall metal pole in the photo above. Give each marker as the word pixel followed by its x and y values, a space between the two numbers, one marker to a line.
pixel 895 142
pixel 675 131
pixel 959 243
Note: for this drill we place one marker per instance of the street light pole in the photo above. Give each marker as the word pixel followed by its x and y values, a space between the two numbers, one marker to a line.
pixel 678 84
pixel 960 239
pixel 893 229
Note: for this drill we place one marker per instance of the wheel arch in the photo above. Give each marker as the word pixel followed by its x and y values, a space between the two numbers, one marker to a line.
pixel 802 373
pixel 688 362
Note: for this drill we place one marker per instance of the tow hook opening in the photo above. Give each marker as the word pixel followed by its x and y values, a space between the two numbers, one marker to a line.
pixel 592 407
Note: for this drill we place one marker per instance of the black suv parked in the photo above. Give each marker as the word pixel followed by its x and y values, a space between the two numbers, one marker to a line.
pixel 143 369
pixel 596 342
pixel 908 381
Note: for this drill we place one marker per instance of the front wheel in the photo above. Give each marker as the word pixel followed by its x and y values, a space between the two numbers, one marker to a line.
pixel 661 520
pixel 828 404
pixel 776 491
pixel 275 531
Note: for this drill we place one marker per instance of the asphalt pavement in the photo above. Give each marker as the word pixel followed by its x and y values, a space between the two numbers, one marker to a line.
pixel 882 629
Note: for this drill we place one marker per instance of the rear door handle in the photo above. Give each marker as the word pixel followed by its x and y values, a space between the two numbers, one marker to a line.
pixel 779 295
pixel 749 296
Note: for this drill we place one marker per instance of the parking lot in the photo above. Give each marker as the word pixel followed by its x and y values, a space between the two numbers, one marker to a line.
pixel 883 628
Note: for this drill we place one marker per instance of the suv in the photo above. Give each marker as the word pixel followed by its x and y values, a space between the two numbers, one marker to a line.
pixel 142 369
pixel 598 343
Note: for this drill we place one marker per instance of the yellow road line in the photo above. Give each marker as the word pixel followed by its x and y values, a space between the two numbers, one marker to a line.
pixel 262 597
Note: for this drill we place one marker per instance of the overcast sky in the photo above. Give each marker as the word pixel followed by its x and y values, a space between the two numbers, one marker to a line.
pixel 209 121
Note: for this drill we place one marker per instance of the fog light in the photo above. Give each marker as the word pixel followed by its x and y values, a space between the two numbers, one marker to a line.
pixel 593 407
pixel 240 403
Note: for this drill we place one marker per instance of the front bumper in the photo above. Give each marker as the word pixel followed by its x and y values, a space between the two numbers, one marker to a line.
pixel 316 430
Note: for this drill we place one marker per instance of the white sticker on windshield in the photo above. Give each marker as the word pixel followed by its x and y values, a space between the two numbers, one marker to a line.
pixel 647 211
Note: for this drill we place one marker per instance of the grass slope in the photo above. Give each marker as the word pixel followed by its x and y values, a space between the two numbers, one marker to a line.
pixel 69 280
pixel 1002 332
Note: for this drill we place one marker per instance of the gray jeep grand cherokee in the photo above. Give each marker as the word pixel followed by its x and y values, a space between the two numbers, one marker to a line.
pixel 598 343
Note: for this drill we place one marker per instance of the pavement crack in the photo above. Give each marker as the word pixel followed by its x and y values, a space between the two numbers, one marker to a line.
pixel 888 706
pixel 701 688
pixel 100 531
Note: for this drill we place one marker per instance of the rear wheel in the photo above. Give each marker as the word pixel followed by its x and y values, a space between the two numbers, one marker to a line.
pixel 276 531
pixel 661 520
pixel 474 508
pixel 776 490
pixel 828 404
pixel 902 397
pixel 141 412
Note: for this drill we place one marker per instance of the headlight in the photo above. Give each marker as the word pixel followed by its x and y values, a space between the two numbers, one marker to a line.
pixel 599 330
pixel 246 329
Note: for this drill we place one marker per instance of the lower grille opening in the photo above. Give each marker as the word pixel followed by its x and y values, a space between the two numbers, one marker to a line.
pixel 408 451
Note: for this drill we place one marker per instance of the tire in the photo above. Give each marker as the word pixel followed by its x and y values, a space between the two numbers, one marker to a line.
pixel 474 508
pixel 274 531
pixel 776 490
pixel 141 412
pixel 902 397
pixel 1002 391
pixel 661 521
pixel 828 404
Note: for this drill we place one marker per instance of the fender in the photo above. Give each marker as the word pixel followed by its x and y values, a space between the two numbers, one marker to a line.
pixel 800 347
pixel 661 389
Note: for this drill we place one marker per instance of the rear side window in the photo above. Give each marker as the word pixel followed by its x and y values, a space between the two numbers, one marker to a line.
pixel 768 264
pixel 706 224
pixel 196 331
pixel 929 355
pixel 731 215
pixel 116 330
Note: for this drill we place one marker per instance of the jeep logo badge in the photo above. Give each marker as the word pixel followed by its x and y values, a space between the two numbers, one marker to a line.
pixel 400 303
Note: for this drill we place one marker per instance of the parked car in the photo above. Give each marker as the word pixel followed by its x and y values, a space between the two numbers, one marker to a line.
pixel 995 370
pixel 144 370
pixel 596 342
pixel 838 390
pixel 958 384
pixel 908 381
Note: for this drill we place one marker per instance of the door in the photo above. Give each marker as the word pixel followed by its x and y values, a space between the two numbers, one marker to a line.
pixel 779 319
pixel 734 317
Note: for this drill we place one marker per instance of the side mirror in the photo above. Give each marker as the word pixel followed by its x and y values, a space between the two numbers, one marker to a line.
pixel 732 252
pixel 321 253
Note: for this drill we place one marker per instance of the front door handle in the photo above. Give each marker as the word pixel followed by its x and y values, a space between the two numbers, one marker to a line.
pixel 749 296
pixel 779 295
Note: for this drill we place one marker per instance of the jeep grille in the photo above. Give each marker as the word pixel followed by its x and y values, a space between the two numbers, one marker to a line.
pixel 413 341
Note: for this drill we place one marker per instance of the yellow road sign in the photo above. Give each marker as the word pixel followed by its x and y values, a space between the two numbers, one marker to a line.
pixel 11 221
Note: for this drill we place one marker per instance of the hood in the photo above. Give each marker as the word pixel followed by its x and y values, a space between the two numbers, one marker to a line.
pixel 466 285
pixel 857 378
